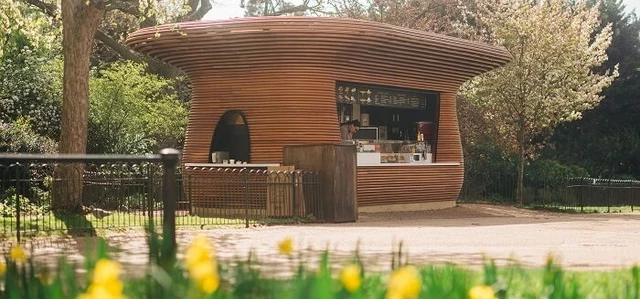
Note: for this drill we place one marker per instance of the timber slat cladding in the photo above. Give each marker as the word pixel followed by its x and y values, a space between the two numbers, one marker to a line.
pixel 386 185
pixel 281 73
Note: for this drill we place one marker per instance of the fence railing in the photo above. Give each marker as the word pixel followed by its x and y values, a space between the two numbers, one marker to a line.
pixel 28 182
pixel 555 192
pixel 253 194
pixel 134 191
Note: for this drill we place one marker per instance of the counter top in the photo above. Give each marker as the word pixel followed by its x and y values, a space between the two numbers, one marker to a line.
pixel 221 165
pixel 409 164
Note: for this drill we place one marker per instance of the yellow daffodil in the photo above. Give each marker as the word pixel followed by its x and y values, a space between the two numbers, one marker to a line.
pixel 106 271
pixel 350 277
pixel 404 283
pixel 105 282
pixel 202 265
pixel 18 254
pixel 209 284
pixel 199 252
pixel 481 292
pixel 286 246
pixel 3 269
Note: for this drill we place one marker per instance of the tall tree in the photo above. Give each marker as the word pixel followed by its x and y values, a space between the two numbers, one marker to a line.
pixel 80 21
pixel 555 47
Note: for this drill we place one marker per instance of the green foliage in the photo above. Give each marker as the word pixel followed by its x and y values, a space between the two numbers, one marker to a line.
pixel 545 172
pixel 132 112
pixel 30 87
pixel 490 172
pixel 9 199
pixel 30 69
pixel 606 140
pixel 20 137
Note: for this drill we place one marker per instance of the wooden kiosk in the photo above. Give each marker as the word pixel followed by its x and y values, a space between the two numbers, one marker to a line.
pixel 270 82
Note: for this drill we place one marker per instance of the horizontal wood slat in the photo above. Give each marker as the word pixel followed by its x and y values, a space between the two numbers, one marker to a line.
pixel 281 73
pixel 387 185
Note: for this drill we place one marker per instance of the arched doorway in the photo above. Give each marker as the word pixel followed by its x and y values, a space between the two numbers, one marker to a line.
pixel 232 135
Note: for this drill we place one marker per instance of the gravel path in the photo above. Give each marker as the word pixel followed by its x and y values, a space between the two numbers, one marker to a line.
pixel 462 235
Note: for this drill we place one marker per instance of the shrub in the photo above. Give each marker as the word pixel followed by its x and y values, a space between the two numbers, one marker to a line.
pixel 8 201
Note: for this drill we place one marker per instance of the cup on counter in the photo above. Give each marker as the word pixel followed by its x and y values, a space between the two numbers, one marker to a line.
pixel 238 162
pixel 225 161
pixel 232 161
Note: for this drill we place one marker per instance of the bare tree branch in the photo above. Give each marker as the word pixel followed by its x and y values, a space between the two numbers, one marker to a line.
pixel 124 6
pixel 125 52
pixel 49 9
pixel 118 47
pixel 299 8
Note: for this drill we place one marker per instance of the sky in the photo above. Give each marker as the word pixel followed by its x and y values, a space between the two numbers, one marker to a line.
pixel 227 9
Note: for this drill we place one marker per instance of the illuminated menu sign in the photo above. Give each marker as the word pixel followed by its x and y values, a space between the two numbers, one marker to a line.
pixel 369 95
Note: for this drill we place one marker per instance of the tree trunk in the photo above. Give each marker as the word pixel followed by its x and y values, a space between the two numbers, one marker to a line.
pixel 80 20
pixel 520 188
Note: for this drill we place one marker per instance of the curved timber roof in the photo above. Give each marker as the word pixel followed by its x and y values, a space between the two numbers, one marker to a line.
pixel 341 45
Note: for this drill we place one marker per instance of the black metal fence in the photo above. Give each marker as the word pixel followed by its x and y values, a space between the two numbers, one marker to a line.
pixel 259 195
pixel 592 194
pixel 122 192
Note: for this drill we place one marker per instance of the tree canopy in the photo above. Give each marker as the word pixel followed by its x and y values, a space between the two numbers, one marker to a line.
pixel 555 46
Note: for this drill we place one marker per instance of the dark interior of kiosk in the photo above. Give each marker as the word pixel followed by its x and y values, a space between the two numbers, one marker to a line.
pixel 392 123
pixel 231 137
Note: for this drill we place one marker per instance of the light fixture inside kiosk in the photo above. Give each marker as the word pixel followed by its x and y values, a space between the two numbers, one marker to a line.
pixel 397 125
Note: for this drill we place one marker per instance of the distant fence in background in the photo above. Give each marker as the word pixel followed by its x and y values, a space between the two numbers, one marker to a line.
pixel 122 192
pixel 556 192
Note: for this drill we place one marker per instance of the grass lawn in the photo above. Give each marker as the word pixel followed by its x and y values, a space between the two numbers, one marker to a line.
pixel 51 224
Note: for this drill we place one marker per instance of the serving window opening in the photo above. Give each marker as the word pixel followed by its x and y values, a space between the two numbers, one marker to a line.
pixel 231 139
pixel 396 125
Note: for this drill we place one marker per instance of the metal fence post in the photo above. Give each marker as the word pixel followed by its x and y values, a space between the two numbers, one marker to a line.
pixel 17 197
pixel 295 193
pixel 189 194
pixel 246 198
pixel 150 194
pixel 170 158
pixel 633 199
pixel 609 196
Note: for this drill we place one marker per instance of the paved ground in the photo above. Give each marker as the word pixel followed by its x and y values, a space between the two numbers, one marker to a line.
pixel 460 235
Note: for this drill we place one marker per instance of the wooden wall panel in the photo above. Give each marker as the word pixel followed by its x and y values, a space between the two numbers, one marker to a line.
pixel 391 185
pixel 449 143
pixel 281 73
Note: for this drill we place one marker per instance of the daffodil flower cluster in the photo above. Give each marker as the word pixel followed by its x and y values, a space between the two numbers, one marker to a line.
pixel 18 254
pixel 481 292
pixel 350 277
pixel 202 265
pixel 105 283
pixel 3 269
pixel 285 247
pixel 404 283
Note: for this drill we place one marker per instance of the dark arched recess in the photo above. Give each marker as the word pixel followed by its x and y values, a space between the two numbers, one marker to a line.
pixel 232 135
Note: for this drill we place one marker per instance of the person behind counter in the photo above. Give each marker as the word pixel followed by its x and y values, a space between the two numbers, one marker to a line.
pixel 348 128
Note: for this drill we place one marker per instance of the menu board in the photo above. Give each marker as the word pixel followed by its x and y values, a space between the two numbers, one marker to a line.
pixel 369 95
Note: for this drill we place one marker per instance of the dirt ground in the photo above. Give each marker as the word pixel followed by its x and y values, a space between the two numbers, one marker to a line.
pixel 461 235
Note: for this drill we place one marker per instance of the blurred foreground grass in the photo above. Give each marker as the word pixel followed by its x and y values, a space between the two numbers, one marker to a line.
pixel 200 275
